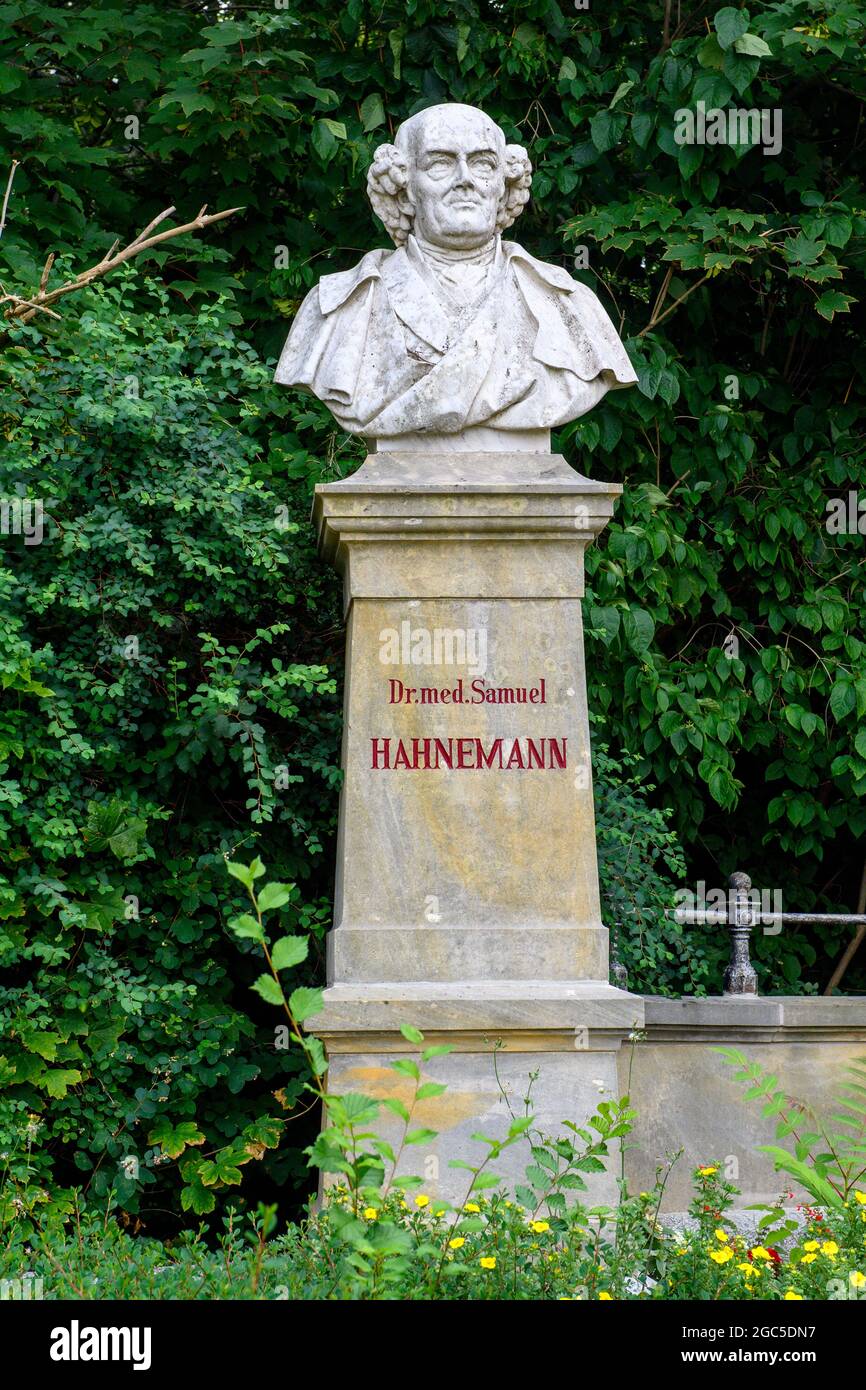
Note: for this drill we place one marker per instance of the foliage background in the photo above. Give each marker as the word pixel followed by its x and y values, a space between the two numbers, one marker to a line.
pixel 179 480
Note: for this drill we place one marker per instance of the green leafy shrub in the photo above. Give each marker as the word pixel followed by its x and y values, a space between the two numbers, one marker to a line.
pixel 494 1247
pixel 165 700
pixel 640 864
pixel 829 1155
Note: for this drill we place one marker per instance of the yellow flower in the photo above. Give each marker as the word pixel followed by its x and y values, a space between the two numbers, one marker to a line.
pixel 683 1250
pixel 422 1201
pixel 605 1297
pixel 811 1245
pixel 748 1270
pixel 860 1196
pixel 721 1235
pixel 830 1248
pixel 856 1279
pixel 807 1259
pixel 371 1214
pixel 471 1206
pixel 721 1256
pixel 706 1172
pixel 456 1243
pixel 760 1253
pixel 487 1262
pixel 539 1227
pixel 790 1296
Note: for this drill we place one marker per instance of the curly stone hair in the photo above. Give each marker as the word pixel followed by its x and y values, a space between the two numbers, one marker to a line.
pixel 388 176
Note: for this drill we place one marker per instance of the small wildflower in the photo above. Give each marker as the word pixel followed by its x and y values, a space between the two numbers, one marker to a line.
pixel 811 1245
pixel 722 1256
pixel 721 1235
pixel 807 1259
pixel 706 1172
pixel 422 1201
pixel 456 1243
pixel 830 1249
pixel 471 1206
pixel 860 1196
pixel 856 1279
pixel 760 1253
pixel 371 1214
pixel 539 1227
pixel 605 1297
pixel 791 1296
pixel 487 1262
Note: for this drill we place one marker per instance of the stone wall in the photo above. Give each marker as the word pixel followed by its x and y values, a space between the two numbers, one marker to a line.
pixel 685 1094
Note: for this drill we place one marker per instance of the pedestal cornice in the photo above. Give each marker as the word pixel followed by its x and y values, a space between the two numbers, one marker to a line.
pixel 506 525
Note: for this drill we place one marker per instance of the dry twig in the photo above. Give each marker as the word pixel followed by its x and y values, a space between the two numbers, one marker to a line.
pixel 15 164
pixel 22 309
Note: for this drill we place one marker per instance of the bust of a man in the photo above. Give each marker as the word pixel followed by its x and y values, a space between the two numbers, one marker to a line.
pixel 457 339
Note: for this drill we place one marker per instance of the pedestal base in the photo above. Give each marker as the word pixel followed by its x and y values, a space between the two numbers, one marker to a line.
pixel 557 1044
pixel 467 888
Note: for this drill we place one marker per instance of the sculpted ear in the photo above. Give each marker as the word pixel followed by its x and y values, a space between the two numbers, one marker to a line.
pixel 387 178
pixel 518 179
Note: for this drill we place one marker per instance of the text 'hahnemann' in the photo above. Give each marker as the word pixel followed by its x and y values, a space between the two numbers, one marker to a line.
pixel 468 754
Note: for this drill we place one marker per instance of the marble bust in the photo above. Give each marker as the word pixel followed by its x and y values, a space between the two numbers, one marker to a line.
pixel 457 339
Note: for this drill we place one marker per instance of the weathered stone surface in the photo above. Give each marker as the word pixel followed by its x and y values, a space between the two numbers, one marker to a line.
pixel 467 838
pixel 467 893
pixel 483 1098
pixel 455 334
pixel 686 1097
pixel 522 1015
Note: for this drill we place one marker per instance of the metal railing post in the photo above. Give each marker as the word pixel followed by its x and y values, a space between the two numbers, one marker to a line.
pixel 740 977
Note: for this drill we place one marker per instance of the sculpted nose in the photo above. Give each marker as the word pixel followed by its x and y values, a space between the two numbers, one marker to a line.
pixel 463 173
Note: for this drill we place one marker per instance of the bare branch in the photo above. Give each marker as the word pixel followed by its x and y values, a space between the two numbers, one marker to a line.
pixel 46 271
pixel 31 304
pixel 15 164
pixel 150 226
pixel 22 310
pixel 657 319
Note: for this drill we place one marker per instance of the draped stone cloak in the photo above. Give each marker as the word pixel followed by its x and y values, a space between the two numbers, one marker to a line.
pixel 391 352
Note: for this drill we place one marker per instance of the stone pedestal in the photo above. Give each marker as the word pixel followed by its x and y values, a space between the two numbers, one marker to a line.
pixel 467 889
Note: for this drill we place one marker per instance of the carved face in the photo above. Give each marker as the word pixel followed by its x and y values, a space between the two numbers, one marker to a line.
pixel 456 176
